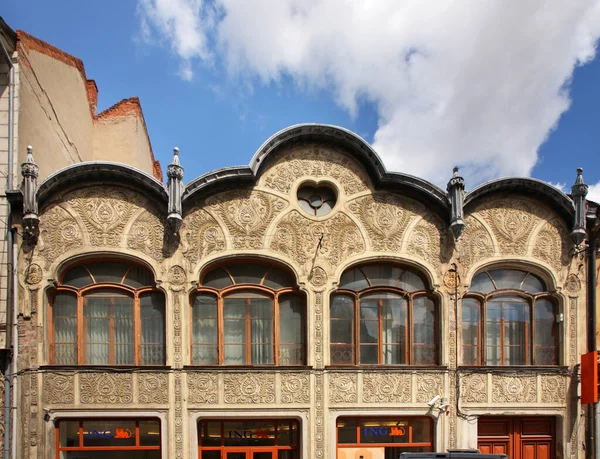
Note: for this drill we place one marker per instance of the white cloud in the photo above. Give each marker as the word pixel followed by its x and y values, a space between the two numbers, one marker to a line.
pixel 561 186
pixel 477 85
pixel 594 193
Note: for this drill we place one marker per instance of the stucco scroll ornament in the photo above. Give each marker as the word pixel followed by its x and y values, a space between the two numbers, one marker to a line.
pixel 247 215
pixel 318 277
pixel 428 386
pixel 59 389
pixel 178 416
pixel 512 222
pixel 551 246
pixel 202 236
pixel 33 274
pixel 59 233
pixel 385 218
pixel 153 388
pixel 507 389
pixel 314 162
pixel 176 277
pixel 343 388
pixel 553 389
pixel 473 388
pixel 295 388
pixel 146 235
pixel 202 388
pixel 387 388
pixel 298 237
pixel 105 212
pixel 249 388
pixel 451 281
pixel 101 388
pixel 427 240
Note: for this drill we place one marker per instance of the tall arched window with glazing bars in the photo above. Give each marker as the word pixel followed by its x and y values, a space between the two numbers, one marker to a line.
pixel 383 314
pixel 509 318
pixel 107 313
pixel 248 314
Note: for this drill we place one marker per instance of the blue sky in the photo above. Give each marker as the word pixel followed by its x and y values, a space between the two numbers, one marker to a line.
pixel 496 92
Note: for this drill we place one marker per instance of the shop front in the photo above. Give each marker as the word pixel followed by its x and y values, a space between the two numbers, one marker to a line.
pixel 248 439
pixel 114 438
pixel 382 437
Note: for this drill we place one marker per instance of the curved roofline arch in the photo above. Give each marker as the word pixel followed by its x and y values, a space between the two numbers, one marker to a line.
pixel 99 171
pixel 551 195
pixel 350 142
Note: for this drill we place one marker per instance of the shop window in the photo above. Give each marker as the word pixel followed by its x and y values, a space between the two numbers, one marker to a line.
pixel 383 437
pixel 107 313
pixel 100 438
pixel 249 439
pixel 248 314
pixel 383 315
pixel 509 318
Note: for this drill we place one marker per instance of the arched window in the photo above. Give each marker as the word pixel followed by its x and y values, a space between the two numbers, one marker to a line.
pixel 383 314
pixel 107 313
pixel 248 314
pixel 509 318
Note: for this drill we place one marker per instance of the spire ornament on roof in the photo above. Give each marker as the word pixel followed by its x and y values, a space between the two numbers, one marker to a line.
pixel 579 191
pixel 175 189
pixel 30 172
pixel 456 194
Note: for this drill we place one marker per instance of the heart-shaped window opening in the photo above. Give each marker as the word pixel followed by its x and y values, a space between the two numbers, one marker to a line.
pixel 316 200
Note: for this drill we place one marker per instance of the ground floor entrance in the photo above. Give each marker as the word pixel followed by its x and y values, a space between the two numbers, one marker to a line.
pixel 518 437
pixel 248 439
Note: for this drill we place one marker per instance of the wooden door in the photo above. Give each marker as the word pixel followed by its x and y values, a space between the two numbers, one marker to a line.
pixel 519 438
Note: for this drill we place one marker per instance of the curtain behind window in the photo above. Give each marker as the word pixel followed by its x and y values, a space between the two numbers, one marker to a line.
pixel 64 321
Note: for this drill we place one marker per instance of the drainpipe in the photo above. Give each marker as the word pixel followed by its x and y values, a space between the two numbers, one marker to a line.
pixel 9 241
pixel 15 342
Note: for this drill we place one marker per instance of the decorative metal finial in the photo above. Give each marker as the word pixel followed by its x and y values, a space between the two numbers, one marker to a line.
pixel 579 191
pixel 456 192
pixel 30 172
pixel 175 188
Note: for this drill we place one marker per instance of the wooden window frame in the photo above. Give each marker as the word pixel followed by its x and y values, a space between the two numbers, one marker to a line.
pixel 530 337
pixel 81 295
pixel 409 337
pixel 221 295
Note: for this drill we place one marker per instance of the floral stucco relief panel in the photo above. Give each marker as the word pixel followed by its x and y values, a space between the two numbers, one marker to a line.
pixel 59 233
pixel 202 235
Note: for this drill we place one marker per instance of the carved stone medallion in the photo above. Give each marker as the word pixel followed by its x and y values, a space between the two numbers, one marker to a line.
pixel 153 388
pixel 202 388
pixel 249 388
pixel 247 215
pixel 573 284
pixel 33 274
pixel 176 275
pixel 294 388
pixel 342 388
pixel 385 218
pixel 318 277
pixel 298 237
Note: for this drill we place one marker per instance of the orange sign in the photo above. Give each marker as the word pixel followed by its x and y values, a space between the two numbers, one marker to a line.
pixel 397 432
pixel 589 377
pixel 122 433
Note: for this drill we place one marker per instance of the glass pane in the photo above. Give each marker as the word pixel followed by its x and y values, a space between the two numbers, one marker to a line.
pixel 77 277
pixel 346 430
pixel 353 279
pixel 546 333
pixel 152 315
pixel 291 330
pixel 204 330
pixel 217 278
pixel 108 324
pixel 249 433
pixel 261 331
pixel 152 454
pixel 470 331
pixel 368 354
pixel 287 432
pixel 108 271
pixel 210 433
pixel 149 433
pixel 69 433
pixel 342 307
pixel 113 432
pixel 139 277
pixel 64 321
pixel 411 282
pixel 278 279
pixel 262 455
pixel 382 275
pixel 482 283
pixel 421 430
pixel 424 336
pixel 508 278
pixel 533 284
pixel 211 454
pixel 287 454
pixel 247 273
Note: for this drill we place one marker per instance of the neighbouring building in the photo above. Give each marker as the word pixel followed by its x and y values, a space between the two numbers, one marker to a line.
pixel 309 305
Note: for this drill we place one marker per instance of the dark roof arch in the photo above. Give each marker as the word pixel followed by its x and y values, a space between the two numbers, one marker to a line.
pixel 94 172
pixel 537 189
pixel 342 138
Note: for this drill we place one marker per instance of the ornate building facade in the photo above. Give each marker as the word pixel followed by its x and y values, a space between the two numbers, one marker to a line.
pixel 310 305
